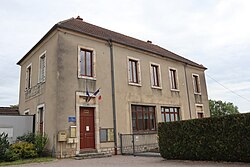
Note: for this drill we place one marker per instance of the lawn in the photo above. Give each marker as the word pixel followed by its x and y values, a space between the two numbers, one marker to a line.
pixel 26 161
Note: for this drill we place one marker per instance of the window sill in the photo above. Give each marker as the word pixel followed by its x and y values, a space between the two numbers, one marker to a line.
pixel 135 84
pixel 156 87
pixel 197 93
pixel 175 90
pixel 86 77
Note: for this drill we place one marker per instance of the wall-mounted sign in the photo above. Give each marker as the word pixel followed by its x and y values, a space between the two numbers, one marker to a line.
pixel 71 119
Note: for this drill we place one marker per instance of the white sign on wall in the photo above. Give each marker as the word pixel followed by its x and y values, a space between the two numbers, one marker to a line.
pixel 9 131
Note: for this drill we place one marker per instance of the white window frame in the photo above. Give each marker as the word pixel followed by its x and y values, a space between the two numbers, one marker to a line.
pixel 199 105
pixel 38 117
pixel 199 84
pixel 151 75
pixel 138 71
pixel 93 65
pixel 26 112
pixel 176 77
pixel 26 72
pixel 45 65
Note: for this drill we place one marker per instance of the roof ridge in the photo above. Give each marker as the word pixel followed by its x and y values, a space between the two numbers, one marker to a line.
pixel 64 21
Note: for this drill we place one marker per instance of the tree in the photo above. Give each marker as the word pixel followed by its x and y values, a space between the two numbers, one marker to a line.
pixel 15 106
pixel 219 108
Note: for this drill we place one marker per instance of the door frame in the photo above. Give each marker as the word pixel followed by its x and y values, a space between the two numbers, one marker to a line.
pixel 81 102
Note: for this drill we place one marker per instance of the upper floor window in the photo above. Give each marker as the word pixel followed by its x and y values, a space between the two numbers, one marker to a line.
pixel 134 71
pixel 28 76
pixel 155 75
pixel 170 114
pixel 86 63
pixel 173 78
pixel 196 83
pixel 42 68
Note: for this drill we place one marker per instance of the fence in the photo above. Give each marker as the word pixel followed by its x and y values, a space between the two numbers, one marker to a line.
pixel 138 143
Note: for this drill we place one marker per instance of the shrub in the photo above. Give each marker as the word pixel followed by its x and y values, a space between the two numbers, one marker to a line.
pixel 28 137
pixel 21 150
pixel 39 140
pixel 218 139
pixel 40 143
pixel 4 145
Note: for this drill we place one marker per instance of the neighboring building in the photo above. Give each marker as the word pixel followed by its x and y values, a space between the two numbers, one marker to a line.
pixel 140 84
pixel 9 111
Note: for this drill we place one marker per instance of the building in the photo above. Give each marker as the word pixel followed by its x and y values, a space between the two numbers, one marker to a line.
pixel 90 84
pixel 9 111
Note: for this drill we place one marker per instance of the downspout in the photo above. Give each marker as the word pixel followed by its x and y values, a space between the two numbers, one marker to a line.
pixel 189 106
pixel 113 92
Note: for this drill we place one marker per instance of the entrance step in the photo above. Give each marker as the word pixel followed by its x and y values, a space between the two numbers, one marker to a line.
pixel 92 155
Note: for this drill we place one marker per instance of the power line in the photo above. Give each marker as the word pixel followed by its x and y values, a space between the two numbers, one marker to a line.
pixel 229 89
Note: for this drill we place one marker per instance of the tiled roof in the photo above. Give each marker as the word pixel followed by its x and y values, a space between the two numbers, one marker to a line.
pixel 92 30
pixel 80 26
pixel 8 111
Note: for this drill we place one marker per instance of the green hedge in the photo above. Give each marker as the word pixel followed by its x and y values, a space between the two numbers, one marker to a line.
pixel 218 139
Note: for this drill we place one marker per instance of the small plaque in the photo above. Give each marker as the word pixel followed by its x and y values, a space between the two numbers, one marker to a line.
pixel 71 119
pixel 87 128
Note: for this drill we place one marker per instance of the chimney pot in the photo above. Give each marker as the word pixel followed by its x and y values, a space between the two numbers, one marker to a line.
pixel 148 41
pixel 79 18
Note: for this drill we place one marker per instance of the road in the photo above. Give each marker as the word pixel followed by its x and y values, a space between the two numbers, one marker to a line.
pixel 131 161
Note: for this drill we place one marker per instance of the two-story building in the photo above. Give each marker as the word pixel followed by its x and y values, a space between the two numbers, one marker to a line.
pixel 91 84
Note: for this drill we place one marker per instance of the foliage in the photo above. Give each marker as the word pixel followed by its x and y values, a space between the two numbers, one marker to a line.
pixel 21 150
pixel 218 139
pixel 28 137
pixel 4 145
pixel 15 106
pixel 219 108
pixel 40 143
pixel 39 140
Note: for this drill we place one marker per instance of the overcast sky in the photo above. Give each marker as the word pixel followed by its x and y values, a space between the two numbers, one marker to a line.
pixel 215 33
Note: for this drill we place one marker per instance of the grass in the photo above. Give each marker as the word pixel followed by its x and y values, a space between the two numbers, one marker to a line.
pixel 26 161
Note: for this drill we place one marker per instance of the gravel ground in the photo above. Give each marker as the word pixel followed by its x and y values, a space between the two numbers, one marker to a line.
pixel 131 161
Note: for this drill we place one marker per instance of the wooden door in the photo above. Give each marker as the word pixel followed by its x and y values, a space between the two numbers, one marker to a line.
pixel 87 128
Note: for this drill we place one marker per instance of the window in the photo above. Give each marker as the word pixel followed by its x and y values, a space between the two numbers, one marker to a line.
pixel 196 82
pixel 28 76
pixel 42 69
pixel 106 135
pixel 134 71
pixel 155 75
pixel 40 110
pixel 173 78
pixel 199 111
pixel 86 63
pixel 200 115
pixel 143 118
pixel 26 112
pixel 170 114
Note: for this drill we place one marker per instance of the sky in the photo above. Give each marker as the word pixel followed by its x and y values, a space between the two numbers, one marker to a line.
pixel 215 33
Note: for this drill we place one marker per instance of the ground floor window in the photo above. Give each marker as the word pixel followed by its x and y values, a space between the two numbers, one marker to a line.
pixel 170 114
pixel 143 118
pixel 200 112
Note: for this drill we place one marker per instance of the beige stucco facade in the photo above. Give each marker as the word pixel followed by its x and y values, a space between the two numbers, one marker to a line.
pixel 63 93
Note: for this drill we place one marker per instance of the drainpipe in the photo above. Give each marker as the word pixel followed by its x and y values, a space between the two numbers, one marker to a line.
pixel 189 105
pixel 113 92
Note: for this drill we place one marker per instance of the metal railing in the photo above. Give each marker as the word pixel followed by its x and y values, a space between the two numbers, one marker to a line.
pixel 138 143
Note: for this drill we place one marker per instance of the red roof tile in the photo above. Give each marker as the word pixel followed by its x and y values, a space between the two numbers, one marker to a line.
pixel 8 111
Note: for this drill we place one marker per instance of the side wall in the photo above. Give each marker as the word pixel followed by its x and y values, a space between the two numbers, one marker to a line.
pixel 44 93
